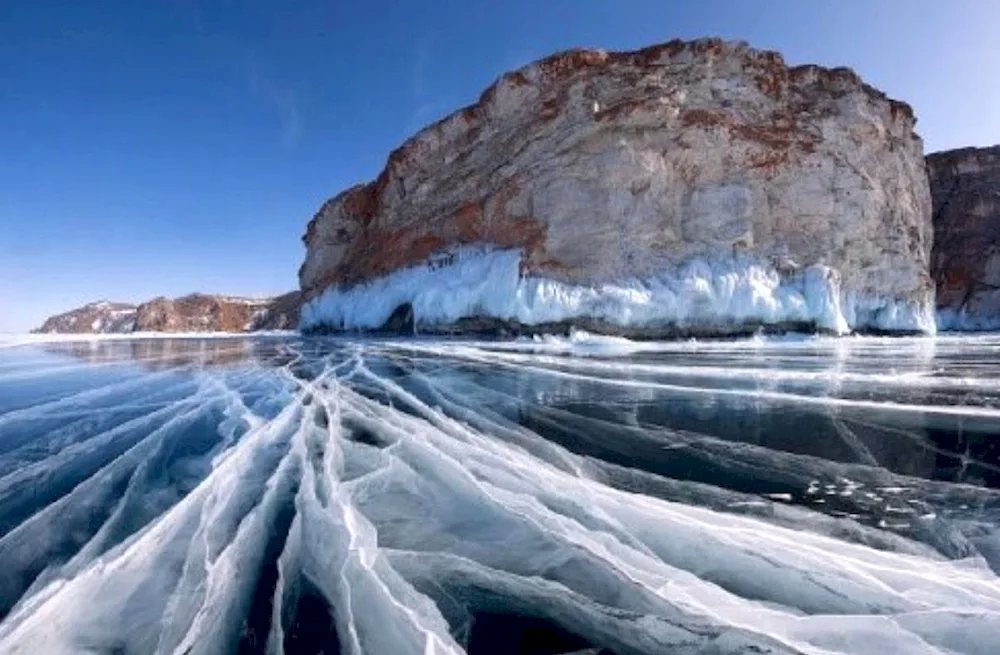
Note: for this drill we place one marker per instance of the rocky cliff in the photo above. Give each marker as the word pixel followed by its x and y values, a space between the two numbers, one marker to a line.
pixel 965 264
pixel 686 187
pixel 282 313
pixel 193 313
pixel 94 318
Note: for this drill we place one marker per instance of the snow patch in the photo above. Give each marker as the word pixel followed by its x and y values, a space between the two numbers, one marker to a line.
pixel 258 317
pixel 701 293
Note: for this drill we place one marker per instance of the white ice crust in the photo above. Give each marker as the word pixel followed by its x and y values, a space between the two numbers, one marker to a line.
pixel 701 293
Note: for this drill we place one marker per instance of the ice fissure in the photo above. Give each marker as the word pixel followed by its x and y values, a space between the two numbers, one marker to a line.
pixel 361 499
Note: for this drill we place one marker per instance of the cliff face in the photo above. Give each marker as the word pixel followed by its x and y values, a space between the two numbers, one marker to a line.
pixel 628 168
pixel 282 313
pixel 965 185
pixel 192 313
pixel 199 313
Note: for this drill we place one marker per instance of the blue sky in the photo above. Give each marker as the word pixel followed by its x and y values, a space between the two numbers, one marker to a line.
pixel 159 147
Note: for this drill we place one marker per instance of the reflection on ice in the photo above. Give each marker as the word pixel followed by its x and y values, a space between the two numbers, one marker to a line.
pixel 288 495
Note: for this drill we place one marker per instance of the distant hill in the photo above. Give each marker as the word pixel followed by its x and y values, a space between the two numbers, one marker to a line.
pixel 196 312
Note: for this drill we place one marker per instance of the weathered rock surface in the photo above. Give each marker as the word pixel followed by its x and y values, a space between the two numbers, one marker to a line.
pixel 199 313
pixel 965 264
pixel 192 313
pixel 601 167
pixel 94 318
pixel 282 313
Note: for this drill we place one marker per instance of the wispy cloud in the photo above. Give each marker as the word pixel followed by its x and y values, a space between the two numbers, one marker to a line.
pixel 421 61
pixel 275 93
pixel 282 99
pixel 427 106
pixel 192 10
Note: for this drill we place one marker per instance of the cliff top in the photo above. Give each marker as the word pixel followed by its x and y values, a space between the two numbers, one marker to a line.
pixel 771 73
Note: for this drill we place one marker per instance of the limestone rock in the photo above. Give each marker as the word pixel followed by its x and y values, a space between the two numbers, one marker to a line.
pixel 603 167
pixel 965 186
pixel 199 313
pixel 282 313
pixel 94 318
pixel 192 313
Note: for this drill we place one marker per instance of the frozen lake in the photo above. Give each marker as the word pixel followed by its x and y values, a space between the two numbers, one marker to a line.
pixel 279 494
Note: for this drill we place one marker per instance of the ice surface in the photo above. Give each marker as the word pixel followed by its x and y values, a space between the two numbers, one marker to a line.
pixel 12 340
pixel 731 292
pixel 689 497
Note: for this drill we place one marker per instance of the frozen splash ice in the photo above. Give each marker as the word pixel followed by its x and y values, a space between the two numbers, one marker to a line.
pixel 961 321
pixel 724 294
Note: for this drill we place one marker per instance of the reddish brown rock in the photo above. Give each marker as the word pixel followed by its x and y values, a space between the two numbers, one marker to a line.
pixel 605 166
pixel 199 313
pixel 193 313
pixel 282 313
pixel 965 186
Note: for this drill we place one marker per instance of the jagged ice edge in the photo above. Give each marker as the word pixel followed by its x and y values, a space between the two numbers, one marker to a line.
pixel 471 282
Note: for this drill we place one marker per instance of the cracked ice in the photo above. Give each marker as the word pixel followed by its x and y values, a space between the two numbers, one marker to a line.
pixel 289 495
